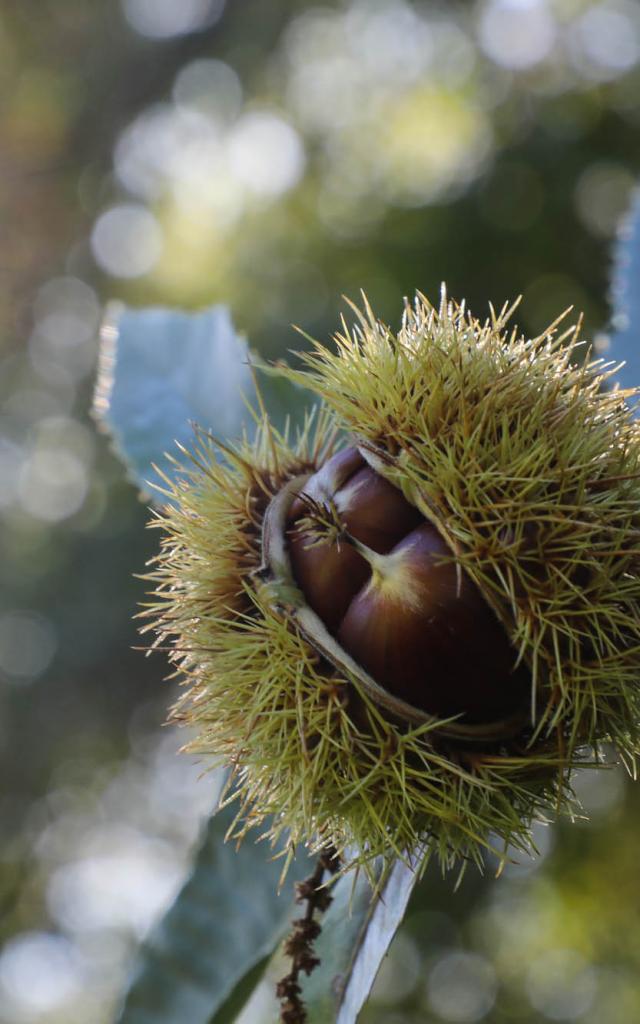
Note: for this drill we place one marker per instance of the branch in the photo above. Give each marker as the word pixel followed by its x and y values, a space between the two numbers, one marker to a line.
pixel 305 930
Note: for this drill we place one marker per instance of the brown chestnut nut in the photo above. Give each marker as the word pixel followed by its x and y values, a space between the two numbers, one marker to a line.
pixel 390 592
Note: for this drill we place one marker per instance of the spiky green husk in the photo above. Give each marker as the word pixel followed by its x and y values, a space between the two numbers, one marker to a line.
pixel 530 472
pixel 311 755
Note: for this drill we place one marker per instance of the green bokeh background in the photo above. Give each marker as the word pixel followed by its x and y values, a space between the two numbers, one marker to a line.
pixel 276 156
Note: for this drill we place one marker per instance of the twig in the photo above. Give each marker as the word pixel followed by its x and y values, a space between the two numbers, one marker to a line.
pixel 305 930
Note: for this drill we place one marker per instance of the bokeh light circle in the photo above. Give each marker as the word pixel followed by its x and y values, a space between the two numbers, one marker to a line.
pixel 126 241
pixel 161 19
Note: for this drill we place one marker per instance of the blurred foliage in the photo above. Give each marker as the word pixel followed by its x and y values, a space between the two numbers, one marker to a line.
pixel 162 370
pixel 274 156
pixel 624 340
pixel 191 968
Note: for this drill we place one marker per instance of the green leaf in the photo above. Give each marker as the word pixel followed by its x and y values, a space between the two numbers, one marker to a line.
pixel 208 953
pixel 356 933
pixel 162 370
pixel 236 1002
pixel 625 295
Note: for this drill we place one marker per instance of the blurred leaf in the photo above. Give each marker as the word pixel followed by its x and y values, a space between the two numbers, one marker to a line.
pixel 207 954
pixel 232 1006
pixel 625 294
pixel 161 370
pixel 356 933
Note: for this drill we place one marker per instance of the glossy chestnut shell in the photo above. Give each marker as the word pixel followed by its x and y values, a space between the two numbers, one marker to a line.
pixel 413 619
